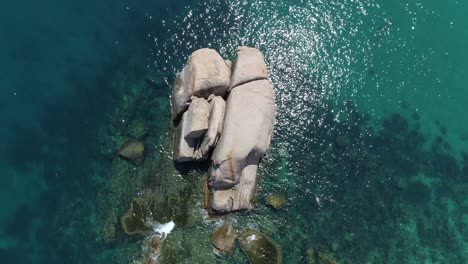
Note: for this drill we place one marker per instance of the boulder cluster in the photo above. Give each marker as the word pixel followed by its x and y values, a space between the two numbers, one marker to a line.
pixel 224 113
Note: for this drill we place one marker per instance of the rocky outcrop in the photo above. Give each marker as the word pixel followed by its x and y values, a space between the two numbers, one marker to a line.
pixel 133 151
pixel 259 248
pixel 205 73
pixel 238 130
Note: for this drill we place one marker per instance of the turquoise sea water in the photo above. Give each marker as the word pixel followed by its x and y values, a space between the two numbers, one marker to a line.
pixel 370 146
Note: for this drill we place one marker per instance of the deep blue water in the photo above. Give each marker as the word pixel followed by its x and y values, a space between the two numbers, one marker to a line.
pixel 370 145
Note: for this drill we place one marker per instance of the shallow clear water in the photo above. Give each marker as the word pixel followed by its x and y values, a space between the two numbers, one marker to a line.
pixel 370 146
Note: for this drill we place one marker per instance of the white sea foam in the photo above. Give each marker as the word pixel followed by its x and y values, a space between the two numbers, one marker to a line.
pixel 251 238
pixel 164 229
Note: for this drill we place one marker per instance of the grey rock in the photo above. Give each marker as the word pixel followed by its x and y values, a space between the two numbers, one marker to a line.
pixel 248 66
pixel 205 73
pixel 197 118
pixel 240 196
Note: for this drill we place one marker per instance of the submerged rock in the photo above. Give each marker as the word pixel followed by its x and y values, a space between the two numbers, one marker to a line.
pixel 342 141
pixel 215 126
pixel 153 244
pixel 276 200
pixel 314 256
pixel 223 239
pixel 135 221
pixel 323 258
pixel 137 129
pixel 133 150
pixel 259 248
pixel 205 73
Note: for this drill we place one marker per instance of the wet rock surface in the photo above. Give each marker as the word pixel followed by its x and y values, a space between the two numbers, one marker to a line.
pixel 276 200
pixel 259 248
pixel 238 130
pixel 223 239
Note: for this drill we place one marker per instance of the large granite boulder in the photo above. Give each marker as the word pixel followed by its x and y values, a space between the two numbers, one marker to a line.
pixel 238 129
pixel 247 130
pixel 197 118
pixel 215 125
pixel 248 66
pixel 259 248
pixel 205 73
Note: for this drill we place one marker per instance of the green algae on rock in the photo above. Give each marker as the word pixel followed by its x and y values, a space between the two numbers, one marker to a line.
pixel 135 221
pixel 276 200
pixel 259 248
pixel 137 129
pixel 133 150
pixel 223 239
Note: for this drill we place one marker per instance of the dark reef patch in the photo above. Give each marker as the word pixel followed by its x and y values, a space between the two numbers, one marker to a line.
pixel 417 194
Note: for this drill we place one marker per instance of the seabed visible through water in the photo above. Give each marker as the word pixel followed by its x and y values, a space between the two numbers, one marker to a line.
pixel 370 148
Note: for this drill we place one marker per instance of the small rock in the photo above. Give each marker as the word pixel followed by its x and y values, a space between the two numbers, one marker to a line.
pixel 154 249
pixel 259 248
pixel 133 150
pixel 342 141
pixel 325 259
pixel 137 130
pixel 276 200
pixel 223 239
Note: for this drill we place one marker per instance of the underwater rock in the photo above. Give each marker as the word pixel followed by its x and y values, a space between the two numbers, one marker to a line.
pixel 215 126
pixel 205 73
pixel 135 221
pixel 153 243
pixel 197 118
pixel 259 248
pixel 317 257
pixel 276 200
pixel 247 131
pixel 133 150
pixel 223 239
pixel 324 258
pixel 343 141
pixel 248 66
pixel 149 215
pixel 137 130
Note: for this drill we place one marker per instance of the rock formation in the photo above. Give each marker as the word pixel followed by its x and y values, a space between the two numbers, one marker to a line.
pixel 223 239
pixel 238 130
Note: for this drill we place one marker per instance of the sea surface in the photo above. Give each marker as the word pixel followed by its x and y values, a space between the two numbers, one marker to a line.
pixel 370 146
